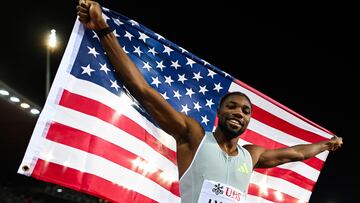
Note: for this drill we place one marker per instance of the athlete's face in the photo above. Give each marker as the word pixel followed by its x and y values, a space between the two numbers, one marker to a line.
pixel 234 115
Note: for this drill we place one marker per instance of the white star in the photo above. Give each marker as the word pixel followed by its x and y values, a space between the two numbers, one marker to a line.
pixel 167 50
pixel 117 21
pixel 203 89
pixel 226 74
pixel 175 64
pixel 197 76
pixel 197 106
pixel 209 103
pixel 164 95
pixel 182 78
pixel 185 109
pixel 190 62
pixel 133 22
pixel 147 66
pixel 218 87
pixel 152 50
pixel 137 50
pixel 95 35
pixel 155 81
pixel 87 70
pixel 160 65
pixel 116 34
pixel 189 92
pixel 126 52
pixel 177 94
pixel 211 73
pixel 159 36
pixel 105 17
pixel 115 85
pixel 183 50
pixel 104 68
pixel 205 62
pixel 93 51
pixel 204 119
pixel 143 37
pixel 168 80
pixel 128 35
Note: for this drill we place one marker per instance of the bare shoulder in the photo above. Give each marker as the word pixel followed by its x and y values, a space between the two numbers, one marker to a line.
pixel 255 152
pixel 253 148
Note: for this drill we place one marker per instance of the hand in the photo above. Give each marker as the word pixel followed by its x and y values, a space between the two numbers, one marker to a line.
pixel 335 143
pixel 90 15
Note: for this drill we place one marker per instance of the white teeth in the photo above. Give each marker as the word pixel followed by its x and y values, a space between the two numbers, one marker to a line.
pixel 234 122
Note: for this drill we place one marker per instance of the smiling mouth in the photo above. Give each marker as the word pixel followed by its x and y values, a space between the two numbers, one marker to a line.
pixel 234 123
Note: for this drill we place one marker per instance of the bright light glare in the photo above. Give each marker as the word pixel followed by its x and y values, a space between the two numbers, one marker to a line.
pixel 34 111
pixel 144 165
pixel 4 92
pixel 14 99
pixel 279 196
pixel 264 188
pixel 52 39
pixel 167 177
pixel 25 105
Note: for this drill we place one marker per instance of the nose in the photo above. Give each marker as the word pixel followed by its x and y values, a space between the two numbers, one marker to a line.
pixel 238 113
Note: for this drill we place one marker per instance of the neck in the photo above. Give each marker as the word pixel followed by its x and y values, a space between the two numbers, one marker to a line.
pixel 227 143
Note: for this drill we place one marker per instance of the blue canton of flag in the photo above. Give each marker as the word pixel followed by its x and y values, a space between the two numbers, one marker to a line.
pixel 191 85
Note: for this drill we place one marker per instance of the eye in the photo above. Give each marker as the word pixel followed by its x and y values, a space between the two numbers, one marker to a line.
pixel 246 110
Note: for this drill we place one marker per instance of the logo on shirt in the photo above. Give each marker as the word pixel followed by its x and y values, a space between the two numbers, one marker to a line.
pixel 218 189
pixel 243 168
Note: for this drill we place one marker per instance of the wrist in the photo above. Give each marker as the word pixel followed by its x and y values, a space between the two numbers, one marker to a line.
pixel 104 31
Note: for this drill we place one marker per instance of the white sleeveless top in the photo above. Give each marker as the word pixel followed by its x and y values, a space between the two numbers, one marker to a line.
pixel 211 163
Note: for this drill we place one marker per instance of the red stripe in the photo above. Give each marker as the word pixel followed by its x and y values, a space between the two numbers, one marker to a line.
pixel 95 145
pixel 109 115
pixel 284 126
pixel 85 182
pixel 288 175
pixel 271 194
pixel 257 139
pixel 251 89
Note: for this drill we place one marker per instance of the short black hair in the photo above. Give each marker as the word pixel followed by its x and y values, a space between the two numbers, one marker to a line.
pixel 235 93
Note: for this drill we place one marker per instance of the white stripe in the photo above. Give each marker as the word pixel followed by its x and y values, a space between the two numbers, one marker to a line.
pixel 274 134
pixel 278 135
pixel 116 136
pixel 35 145
pixel 96 165
pixel 280 185
pixel 121 104
pixel 277 111
pixel 256 199
pixel 302 169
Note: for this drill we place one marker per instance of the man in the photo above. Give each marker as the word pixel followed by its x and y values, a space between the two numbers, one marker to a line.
pixel 204 159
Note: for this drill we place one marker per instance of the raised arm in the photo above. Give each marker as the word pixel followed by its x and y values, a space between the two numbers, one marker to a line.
pixel 175 123
pixel 265 158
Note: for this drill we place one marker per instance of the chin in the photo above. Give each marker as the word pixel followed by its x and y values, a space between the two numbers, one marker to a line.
pixel 230 132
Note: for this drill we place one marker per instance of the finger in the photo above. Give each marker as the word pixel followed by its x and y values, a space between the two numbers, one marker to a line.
pixel 84 4
pixel 83 16
pixel 82 9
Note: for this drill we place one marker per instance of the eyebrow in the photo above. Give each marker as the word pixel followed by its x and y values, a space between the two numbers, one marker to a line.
pixel 236 103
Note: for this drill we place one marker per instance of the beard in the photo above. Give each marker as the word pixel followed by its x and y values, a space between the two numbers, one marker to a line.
pixel 230 132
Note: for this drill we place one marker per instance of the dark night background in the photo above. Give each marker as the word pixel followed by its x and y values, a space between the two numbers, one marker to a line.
pixel 303 56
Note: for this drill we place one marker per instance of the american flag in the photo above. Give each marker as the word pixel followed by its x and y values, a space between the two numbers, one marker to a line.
pixel 94 137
